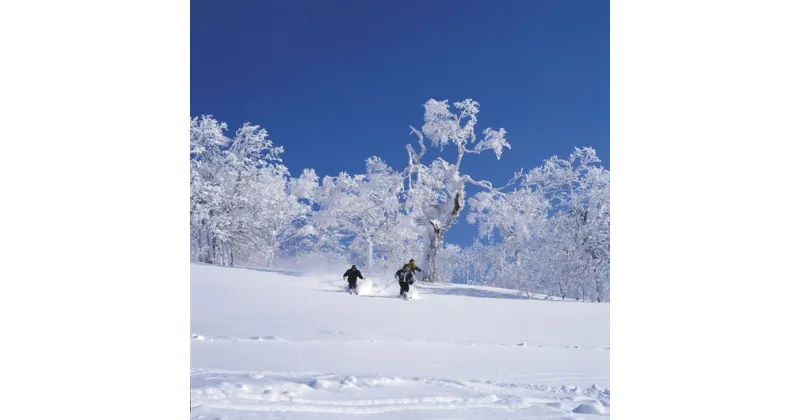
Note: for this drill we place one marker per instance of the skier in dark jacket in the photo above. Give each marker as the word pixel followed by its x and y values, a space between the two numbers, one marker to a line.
pixel 405 277
pixel 352 277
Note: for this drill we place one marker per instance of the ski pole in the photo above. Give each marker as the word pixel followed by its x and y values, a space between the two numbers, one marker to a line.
pixel 387 286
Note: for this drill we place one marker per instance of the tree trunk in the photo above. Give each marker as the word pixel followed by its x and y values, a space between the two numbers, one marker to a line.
pixel 600 291
pixel 211 239
pixel 195 244
pixel 436 235
pixel 202 243
pixel 369 255
pixel 209 247
pixel 434 241
pixel 213 249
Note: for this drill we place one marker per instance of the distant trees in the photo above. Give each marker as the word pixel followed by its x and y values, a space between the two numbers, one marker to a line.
pixel 546 231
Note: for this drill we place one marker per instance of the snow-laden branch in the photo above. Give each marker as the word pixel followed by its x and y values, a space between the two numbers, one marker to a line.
pixel 488 185
pixel 494 140
pixel 414 158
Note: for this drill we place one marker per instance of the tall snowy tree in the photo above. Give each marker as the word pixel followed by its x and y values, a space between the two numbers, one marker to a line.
pixel 206 141
pixel 252 162
pixel 436 193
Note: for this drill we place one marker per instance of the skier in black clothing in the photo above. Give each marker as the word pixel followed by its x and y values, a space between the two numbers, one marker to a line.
pixel 352 277
pixel 405 277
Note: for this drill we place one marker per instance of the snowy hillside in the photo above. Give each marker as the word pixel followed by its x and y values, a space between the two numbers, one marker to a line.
pixel 287 345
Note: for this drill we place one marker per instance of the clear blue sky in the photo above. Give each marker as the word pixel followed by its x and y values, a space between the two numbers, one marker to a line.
pixel 335 82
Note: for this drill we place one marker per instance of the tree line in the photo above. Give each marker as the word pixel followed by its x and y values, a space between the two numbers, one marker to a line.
pixel 544 232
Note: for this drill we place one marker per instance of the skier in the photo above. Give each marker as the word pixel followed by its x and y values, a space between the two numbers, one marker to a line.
pixel 352 277
pixel 405 277
pixel 413 266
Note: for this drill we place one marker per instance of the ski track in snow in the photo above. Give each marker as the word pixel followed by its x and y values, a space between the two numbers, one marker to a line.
pixel 216 392
pixel 275 339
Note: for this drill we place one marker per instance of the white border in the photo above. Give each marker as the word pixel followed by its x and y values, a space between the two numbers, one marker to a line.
pixel 704 131
pixel 95 293
pixel 95 299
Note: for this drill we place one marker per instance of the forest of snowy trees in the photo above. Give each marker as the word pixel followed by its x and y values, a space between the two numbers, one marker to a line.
pixel 546 231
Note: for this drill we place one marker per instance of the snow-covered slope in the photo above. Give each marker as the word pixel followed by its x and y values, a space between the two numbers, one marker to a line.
pixel 275 345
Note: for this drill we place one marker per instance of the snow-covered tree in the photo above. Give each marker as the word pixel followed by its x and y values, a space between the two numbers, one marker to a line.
pixel 206 160
pixel 252 162
pixel 450 263
pixel 242 206
pixel 578 188
pixel 436 193
pixel 554 229
pixel 515 221
pixel 363 212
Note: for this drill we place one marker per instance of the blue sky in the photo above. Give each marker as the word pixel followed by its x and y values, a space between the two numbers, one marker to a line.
pixel 335 82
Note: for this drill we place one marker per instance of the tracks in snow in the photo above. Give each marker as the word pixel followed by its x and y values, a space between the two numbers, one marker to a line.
pixel 276 339
pixel 219 392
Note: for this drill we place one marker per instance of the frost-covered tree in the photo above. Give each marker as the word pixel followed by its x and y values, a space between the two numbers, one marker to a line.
pixel 450 263
pixel 578 189
pixel 515 221
pixel 362 213
pixel 436 193
pixel 206 141
pixel 554 229
pixel 242 204
pixel 275 217
pixel 252 162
